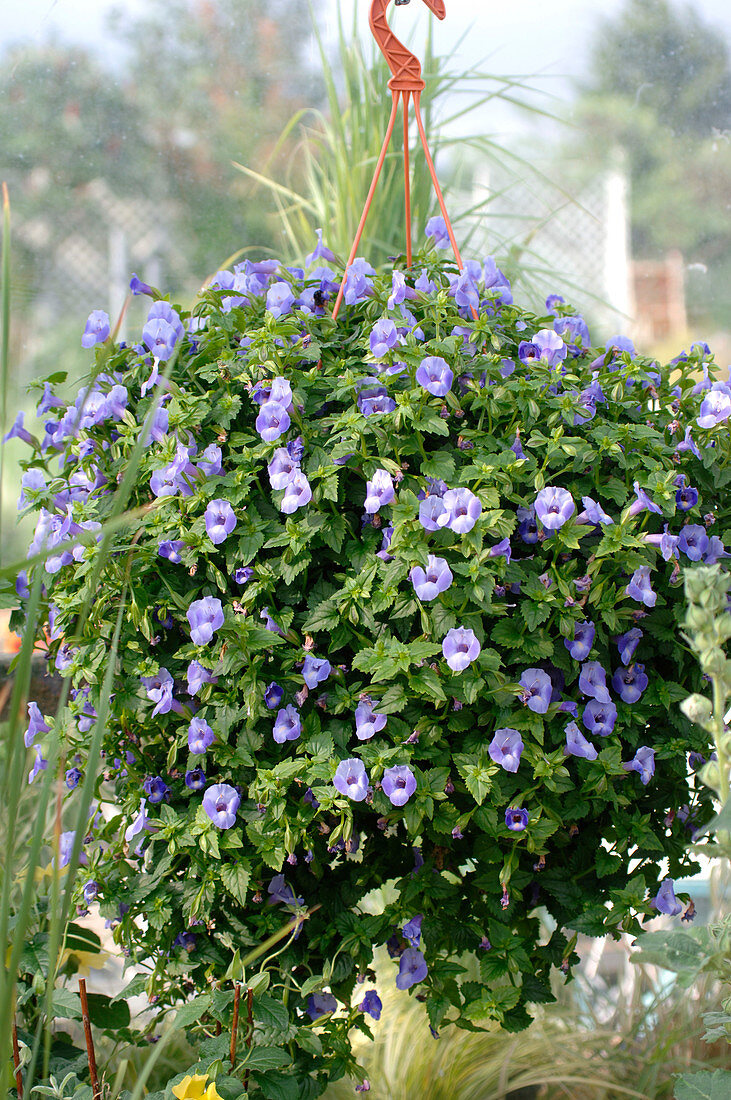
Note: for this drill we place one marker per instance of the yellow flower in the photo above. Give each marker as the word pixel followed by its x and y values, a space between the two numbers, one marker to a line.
pixel 85 960
pixel 193 1088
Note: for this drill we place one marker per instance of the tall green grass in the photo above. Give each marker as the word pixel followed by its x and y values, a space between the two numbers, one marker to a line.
pixel 32 817
pixel 338 148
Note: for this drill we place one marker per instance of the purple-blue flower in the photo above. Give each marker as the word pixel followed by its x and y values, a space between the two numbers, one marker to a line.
pixel 431 582
pixel 516 818
pixel 209 462
pixel 36 724
pixel 599 717
pixel 159 691
pixel 97 329
pixel 715 407
pixel 140 823
pixel 358 285
pixel 554 506
pixel 273 695
pixel 537 689
pixel 288 725
pixel 399 783
pixel 693 541
pixel 643 762
pixel 195 779
pixel 629 683
pixel 384 337
pixel 39 764
pixel 282 468
pixel 243 574
pixel 686 498
pixel 593 681
pixel 156 789
pixel 220 520
pixel 639 587
pixel 371 1004
pixel 367 722
pixel 320 1004
pixel 205 617
pixel 627 644
pixel 461 511
pixel 73 777
pixel 593 513
pixel 280 299
pixel 197 676
pixel 580 646
pixel 435 376
pixel 412 968
pixel 160 337
pixel 379 491
pixel 315 670
pixel 460 648
pixel 170 549
pixel 506 748
pixel 221 803
pixel 374 398
pixel 501 549
pixel 430 509
pixel 351 779
pixel 551 348
pixel 297 493
pixel 642 502
pixel 436 230
pixel 272 421
pixel 577 744
pixel 281 893
pixel 665 900
pixel 411 931
pixel 200 736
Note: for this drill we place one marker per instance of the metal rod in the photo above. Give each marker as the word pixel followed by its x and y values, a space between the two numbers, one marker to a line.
pixel 366 208
pixel 16 1063
pixel 407 177
pixel 95 1089
pixel 437 188
pixel 235 1024
pixel 250 1028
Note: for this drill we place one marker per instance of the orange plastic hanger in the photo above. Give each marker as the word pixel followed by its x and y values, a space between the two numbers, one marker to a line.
pixel 405 83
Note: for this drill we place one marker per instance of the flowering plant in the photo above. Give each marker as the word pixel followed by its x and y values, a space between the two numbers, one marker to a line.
pixel 402 612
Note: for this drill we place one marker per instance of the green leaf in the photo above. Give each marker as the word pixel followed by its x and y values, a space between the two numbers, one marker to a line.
pixel 271 1013
pixel 704 1085
pixel 235 878
pixel 192 1012
pixel 276 1086
pixel 534 613
pixel 265 1058
pixel 66 1005
pixel 103 1013
pixel 676 951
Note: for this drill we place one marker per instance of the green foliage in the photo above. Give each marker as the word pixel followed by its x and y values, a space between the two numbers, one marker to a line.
pixel 186 891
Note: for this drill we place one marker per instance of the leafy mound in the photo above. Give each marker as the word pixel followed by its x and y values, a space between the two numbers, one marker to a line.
pixel 399 639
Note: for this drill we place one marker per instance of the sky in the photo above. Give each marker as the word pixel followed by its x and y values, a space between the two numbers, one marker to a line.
pixel 545 43
pixel 524 37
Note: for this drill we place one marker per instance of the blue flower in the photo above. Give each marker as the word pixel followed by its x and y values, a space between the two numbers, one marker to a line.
pixel 371 1004
pixel 96 330
pixel 516 819
pixel 640 588
pixel 320 1004
pixel 577 744
pixel 643 762
pixel 412 930
pixel 412 968
pixel 665 900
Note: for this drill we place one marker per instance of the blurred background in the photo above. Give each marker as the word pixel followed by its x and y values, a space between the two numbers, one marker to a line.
pixel 587 147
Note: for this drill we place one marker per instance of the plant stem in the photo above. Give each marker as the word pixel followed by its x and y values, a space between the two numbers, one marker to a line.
pixel 96 1091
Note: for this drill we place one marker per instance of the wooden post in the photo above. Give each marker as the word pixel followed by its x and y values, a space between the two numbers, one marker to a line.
pixel 235 1024
pixel 95 1089
pixel 16 1063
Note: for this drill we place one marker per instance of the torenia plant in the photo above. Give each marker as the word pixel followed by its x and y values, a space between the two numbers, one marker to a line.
pixel 399 658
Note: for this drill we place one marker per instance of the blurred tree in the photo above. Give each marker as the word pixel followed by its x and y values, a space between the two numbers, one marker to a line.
pixel 218 81
pixel 659 89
